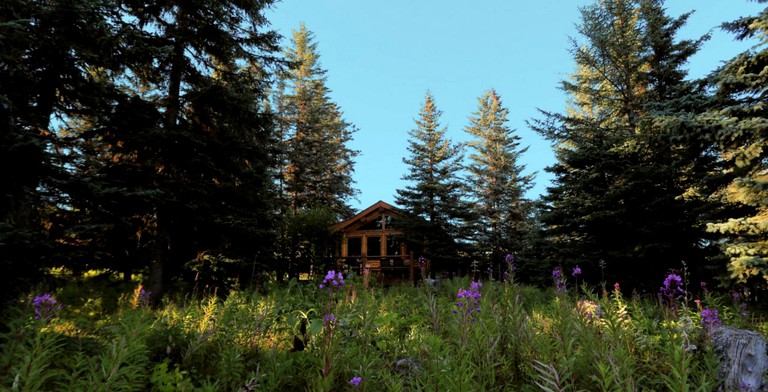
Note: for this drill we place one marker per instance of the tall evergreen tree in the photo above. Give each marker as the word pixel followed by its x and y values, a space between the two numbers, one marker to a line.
pixel 179 157
pixel 46 52
pixel 318 161
pixel 618 194
pixel 497 182
pixel 740 116
pixel 435 200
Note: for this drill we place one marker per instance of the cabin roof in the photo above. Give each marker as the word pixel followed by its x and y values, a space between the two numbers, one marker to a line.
pixel 377 208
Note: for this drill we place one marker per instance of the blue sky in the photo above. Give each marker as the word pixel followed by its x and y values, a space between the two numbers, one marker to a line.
pixel 382 57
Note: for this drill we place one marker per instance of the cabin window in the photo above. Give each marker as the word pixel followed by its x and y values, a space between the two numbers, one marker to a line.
pixel 393 246
pixel 354 246
pixel 372 225
pixel 388 219
pixel 374 246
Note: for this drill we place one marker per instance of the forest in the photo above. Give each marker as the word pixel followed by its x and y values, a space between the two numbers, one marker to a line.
pixel 181 142
pixel 160 153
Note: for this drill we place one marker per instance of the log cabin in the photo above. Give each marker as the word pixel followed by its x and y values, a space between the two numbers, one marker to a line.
pixel 372 240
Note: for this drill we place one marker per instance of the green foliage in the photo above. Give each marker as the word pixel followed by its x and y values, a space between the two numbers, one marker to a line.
pixel 738 116
pixel 164 380
pixel 306 242
pixel 136 132
pixel 316 164
pixel 438 220
pixel 522 339
pixel 504 224
pixel 627 168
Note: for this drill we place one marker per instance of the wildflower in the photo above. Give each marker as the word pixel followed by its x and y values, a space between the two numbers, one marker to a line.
pixel 509 259
pixel 328 319
pixel 423 267
pixel 672 290
pixel 557 276
pixel 144 297
pixel 45 307
pixel 470 298
pixel 333 281
pixel 576 272
pixel 710 319
pixel 355 381
pixel 616 287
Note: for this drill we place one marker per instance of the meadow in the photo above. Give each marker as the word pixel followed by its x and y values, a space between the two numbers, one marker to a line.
pixel 97 333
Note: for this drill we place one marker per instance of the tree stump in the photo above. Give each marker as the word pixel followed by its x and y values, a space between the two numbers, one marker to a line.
pixel 743 359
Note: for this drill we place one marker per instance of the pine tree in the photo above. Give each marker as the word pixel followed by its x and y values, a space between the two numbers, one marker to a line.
pixel 435 200
pixel 318 161
pixel 620 175
pixel 740 116
pixel 497 182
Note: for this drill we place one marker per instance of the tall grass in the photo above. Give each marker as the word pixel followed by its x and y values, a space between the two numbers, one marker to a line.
pixel 401 338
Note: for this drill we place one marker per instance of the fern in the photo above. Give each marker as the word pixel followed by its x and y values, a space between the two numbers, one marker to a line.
pixel 549 378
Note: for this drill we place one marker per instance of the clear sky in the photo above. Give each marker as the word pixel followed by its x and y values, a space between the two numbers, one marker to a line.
pixel 382 57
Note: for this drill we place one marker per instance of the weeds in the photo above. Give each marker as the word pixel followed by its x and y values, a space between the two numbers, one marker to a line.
pixel 354 337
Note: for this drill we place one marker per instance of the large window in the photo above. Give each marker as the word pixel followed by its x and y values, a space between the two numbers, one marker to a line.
pixel 374 224
pixel 354 246
pixel 393 246
pixel 374 246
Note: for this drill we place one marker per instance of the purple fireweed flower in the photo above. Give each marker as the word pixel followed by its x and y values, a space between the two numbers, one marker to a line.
pixel 45 307
pixel 329 319
pixel 576 272
pixel 672 290
pixel 710 319
pixel 355 381
pixel 333 281
pixel 470 298
pixel 509 259
pixel 557 276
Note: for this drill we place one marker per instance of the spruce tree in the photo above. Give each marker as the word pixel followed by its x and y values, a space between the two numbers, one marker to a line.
pixel 740 119
pixel 318 163
pixel 435 199
pixel 497 182
pixel 48 51
pixel 620 177
pixel 179 157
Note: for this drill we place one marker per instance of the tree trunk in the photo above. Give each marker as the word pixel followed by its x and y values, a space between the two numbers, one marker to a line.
pixel 157 268
pixel 743 359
